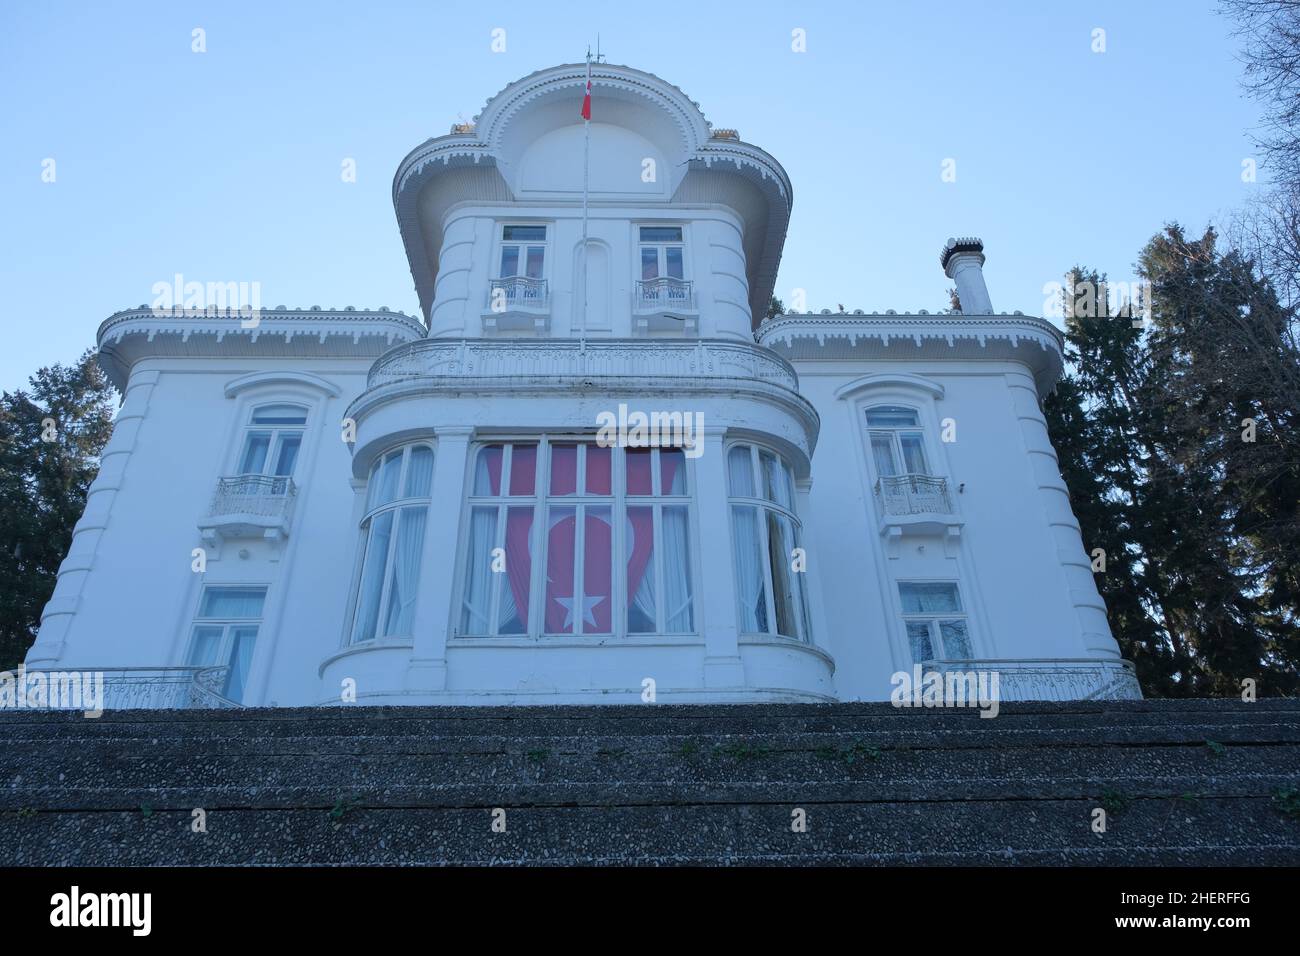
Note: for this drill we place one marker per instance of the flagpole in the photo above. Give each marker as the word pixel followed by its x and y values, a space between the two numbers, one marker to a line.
pixel 586 170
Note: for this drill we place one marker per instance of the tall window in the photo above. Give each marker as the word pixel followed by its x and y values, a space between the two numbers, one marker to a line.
pixel 773 596
pixel 225 633
pixel 935 621
pixel 565 537
pixel 272 441
pixel 897 441
pixel 397 505
pixel 662 252
pixel 523 251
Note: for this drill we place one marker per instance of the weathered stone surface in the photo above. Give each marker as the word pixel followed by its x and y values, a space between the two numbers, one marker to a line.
pixel 1183 783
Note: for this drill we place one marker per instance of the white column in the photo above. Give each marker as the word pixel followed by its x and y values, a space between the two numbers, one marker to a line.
pixel 717 598
pixel 438 561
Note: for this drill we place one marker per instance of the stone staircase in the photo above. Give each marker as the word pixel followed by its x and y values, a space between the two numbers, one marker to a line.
pixel 1183 783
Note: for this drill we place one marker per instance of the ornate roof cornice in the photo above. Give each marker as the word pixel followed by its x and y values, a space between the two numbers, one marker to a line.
pixel 1027 339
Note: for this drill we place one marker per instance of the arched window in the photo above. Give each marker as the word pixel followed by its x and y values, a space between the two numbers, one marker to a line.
pixel 397 506
pixel 897 441
pixel 773 596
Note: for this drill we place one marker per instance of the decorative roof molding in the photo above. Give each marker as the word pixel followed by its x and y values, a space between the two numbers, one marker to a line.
pixel 259 379
pixel 881 380
pixel 1031 341
pixel 133 335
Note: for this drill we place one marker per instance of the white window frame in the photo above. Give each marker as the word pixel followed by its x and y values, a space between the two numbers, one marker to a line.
pixel 541 501
pixel 277 435
pixel 397 505
pixel 523 245
pixel 226 646
pixel 894 433
pixel 934 618
pixel 662 246
pixel 803 613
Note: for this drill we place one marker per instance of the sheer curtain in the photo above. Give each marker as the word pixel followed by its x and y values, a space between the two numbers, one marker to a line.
pixel 419 472
pixel 372 578
pixel 640 570
pixel 232 602
pixel 241 658
pixel 677 572
pixel 406 573
pixel 478 572
pixel 749 570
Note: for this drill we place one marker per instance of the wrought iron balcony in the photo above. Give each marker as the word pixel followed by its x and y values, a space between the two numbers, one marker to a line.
pixel 913 495
pixel 250 506
pixel 517 302
pixel 664 293
pixel 1059 679
pixel 127 688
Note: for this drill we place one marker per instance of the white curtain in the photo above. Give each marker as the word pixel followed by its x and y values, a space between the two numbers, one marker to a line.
pixel 677 572
pixel 740 472
pixel 749 571
pixel 226 603
pixel 644 599
pixel 241 657
pixel 406 573
pixel 478 572
pixel 372 578
pixel 419 472
pixel 780 544
pixel 928 598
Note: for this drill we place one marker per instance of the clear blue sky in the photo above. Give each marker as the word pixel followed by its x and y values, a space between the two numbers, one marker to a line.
pixel 225 165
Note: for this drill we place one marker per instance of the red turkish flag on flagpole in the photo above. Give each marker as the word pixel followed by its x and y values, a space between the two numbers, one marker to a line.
pixel 586 100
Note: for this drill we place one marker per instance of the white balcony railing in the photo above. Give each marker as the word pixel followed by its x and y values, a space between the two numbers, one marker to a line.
pixel 268 496
pixel 913 495
pixel 1058 679
pixel 664 294
pixel 128 688
pixel 518 292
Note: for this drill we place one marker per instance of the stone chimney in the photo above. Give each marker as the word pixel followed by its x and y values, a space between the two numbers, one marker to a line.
pixel 963 262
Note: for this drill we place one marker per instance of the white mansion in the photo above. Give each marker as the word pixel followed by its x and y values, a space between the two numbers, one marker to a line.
pixel 319 503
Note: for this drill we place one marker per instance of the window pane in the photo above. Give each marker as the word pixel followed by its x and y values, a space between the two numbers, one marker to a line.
pixel 560 543
pixel 928 598
pixel 913 453
pixel 232 603
pixel 519 571
pixel 780 544
pixel 638 471
pixel 487 471
pixel 477 602
pixel 649 262
pixel 597 571
pixel 751 587
pixel 918 639
pixel 256 446
pixel 956 642
pixel 535 254
pixel 526 233
pixel 205 645
pixel 892 416
pixel 523 469
pixel 419 472
pixel 241 659
pixel 287 456
pixel 564 470
pixel 509 261
pixel 672 472
pixel 776 485
pixel 372 578
pixel 679 617
pixel 661 233
pixel 384 489
pixel 673 254
pixel 640 570
pixel 279 415
pixel 404 580
pixel 882 450
pixel 740 472
pixel 599 463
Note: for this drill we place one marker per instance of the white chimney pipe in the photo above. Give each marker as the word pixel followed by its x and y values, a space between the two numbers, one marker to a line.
pixel 963 262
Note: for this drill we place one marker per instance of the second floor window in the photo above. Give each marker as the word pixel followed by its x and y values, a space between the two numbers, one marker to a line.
pixel 897 441
pixel 662 253
pixel 272 440
pixel 523 252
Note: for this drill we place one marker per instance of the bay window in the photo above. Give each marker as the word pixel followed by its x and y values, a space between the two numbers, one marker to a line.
pixel 566 537
pixel 397 506
pixel 773 596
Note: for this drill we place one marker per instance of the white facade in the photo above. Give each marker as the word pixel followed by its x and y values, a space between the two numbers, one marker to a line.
pixel 339 502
